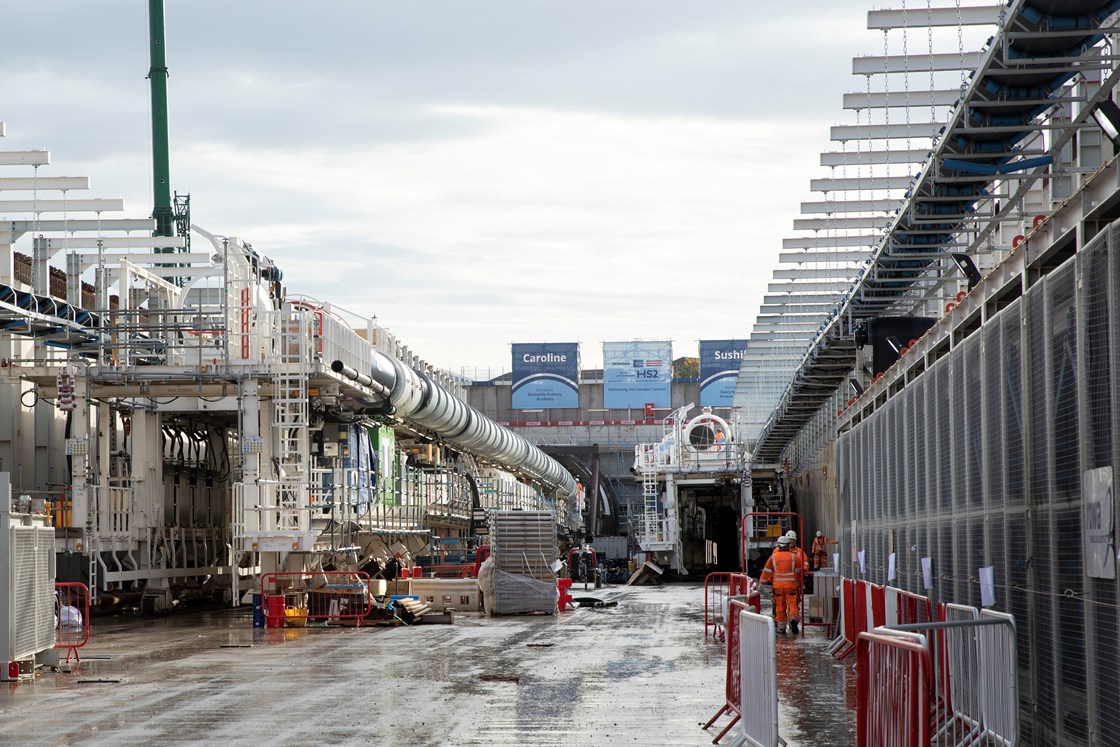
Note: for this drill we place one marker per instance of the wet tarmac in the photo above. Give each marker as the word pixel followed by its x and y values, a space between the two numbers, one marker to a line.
pixel 640 673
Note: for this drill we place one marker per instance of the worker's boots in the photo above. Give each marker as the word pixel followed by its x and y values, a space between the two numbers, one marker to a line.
pixel 793 625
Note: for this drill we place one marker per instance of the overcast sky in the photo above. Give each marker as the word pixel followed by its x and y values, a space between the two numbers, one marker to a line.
pixel 472 172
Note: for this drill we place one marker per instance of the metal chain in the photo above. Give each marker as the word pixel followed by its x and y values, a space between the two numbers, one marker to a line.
pixel 932 79
pixel 906 71
pixel 960 50
pixel 886 110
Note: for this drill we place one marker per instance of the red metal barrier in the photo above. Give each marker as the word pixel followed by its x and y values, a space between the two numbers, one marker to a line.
pixel 331 596
pixel 846 644
pixel 892 691
pixel 914 608
pixel 718 588
pixel 71 618
pixel 732 687
pixel 878 597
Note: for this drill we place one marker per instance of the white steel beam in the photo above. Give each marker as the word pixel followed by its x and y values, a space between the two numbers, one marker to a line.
pixel 841 224
pixel 60 206
pixel 117 242
pixel 916 63
pixel 3 132
pixel 852 256
pixel 802 298
pixel 778 336
pixel 920 18
pixel 780 344
pixel 822 273
pixel 815 310
pixel 88 260
pixel 868 157
pixel 785 317
pixel 843 133
pixel 851 206
pixel 191 272
pixel 818 287
pixel 899 99
pixel 856 184
pixel 25 158
pixel 818 242
pixel 79 224
pixel 32 183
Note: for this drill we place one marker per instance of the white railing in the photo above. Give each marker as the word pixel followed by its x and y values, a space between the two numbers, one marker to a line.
pixel 758 672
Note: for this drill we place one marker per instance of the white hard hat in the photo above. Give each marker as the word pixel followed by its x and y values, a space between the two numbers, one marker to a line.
pixel 819 533
pixel 792 535
pixel 784 541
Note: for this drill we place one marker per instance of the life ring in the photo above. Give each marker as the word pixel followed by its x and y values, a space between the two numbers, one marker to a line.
pixel 961 295
pixel 904 351
pixel 1017 240
pixel 949 307
pixel 1038 221
pixel 912 343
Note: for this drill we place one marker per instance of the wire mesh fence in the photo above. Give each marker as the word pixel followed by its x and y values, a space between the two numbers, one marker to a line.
pixel 998 460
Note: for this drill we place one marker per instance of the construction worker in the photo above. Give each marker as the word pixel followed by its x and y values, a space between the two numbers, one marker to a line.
pixel 802 558
pixel 820 550
pixel 783 571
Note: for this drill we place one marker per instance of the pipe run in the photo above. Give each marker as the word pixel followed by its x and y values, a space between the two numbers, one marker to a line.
pixel 419 400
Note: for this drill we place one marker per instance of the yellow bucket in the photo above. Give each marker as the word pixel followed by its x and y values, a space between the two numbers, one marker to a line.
pixel 295 617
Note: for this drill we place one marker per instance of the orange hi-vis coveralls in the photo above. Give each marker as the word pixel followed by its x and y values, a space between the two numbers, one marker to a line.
pixel 801 558
pixel 784 571
pixel 820 551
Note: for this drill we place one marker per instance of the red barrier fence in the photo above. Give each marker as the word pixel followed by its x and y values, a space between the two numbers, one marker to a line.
pixel 732 687
pixel 892 691
pixel 71 614
pixel 719 587
pixel 294 598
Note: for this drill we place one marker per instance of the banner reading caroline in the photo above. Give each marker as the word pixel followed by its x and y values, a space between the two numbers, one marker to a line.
pixel 719 370
pixel 637 373
pixel 545 374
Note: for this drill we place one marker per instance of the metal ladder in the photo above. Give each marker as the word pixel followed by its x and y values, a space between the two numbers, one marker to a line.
pixel 652 529
pixel 290 421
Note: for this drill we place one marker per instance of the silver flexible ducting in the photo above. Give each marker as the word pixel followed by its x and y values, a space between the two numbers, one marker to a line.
pixel 418 400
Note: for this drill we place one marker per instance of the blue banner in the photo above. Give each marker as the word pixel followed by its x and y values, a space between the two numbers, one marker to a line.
pixel 545 375
pixel 636 374
pixel 719 370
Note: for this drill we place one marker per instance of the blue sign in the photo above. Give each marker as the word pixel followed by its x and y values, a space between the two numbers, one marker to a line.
pixel 636 374
pixel 545 375
pixel 719 370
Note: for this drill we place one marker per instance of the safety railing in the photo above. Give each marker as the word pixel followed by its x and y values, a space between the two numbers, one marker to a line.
pixel 893 691
pixel 823 603
pixel 719 587
pixel 294 598
pixel 964 691
pixel 845 641
pixel 979 676
pixel 71 618
pixel 733 681
pixel 863 606
pixel 758 670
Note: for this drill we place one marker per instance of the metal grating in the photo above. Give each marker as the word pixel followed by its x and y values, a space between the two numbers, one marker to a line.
pixel 32 590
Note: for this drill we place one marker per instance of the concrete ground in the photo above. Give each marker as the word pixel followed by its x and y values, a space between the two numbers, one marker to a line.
pixel 640 673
